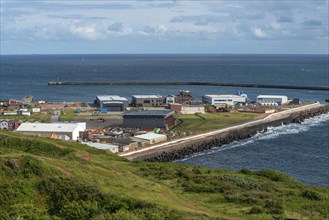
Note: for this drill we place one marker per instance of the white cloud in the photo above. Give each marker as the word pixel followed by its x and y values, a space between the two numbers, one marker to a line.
pixel 87 32
pixel 276 25
pixel 258 32
pixel 165 22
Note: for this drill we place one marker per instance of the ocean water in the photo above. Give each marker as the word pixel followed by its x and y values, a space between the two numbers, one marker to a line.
pixel 299 150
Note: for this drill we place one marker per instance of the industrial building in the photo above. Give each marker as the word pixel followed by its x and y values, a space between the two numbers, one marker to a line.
pixel 184 97
pixel 147 100
pixel 149 119
pixel 151 138
pixel 268 100
pixel 224 99
pixel 64 131
pixel 113 148
pixel 112 103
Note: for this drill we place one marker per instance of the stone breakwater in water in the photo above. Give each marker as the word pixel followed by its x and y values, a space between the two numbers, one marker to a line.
pixel 181 149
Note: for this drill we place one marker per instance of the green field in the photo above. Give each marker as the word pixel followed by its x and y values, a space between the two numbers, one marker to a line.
pixel 71 115
pixel 50 179
pixel 207 122
pixel 39 117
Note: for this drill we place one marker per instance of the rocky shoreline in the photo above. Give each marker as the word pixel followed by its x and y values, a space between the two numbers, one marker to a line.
pixel 181 150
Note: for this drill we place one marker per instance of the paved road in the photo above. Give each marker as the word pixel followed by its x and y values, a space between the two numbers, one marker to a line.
pixel 55 116
pixel 159 147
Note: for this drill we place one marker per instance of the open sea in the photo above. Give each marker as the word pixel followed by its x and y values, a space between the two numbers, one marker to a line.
pixel 300 150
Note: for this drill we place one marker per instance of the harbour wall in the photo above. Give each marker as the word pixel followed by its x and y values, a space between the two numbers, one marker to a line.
pixel 178 149
pixel 188 83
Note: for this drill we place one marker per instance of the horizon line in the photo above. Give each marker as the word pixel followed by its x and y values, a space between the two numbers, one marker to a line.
pixel 37 54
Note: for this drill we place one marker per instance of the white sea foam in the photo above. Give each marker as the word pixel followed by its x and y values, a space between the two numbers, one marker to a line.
pixel 271 133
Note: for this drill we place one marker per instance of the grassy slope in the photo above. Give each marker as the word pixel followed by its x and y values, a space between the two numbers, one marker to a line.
pixel 208 122
pixel 50 179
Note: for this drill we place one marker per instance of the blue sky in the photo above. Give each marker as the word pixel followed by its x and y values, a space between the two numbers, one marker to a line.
pixel 120 27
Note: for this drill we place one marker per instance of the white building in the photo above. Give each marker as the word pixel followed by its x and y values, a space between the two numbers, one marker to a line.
pixel 192 110
pixel 4 124
pixel 152 138
pixel 112 103
pixel 224 99
pixel 271 100
pixel 113 148
pixel 71 130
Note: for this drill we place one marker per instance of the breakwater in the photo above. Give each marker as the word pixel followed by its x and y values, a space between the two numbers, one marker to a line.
pixel 188 83
pixel 175 150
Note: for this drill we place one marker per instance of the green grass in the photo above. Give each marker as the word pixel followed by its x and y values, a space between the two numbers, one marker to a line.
pixel 207 122
pixel 39 117
pixel 42 178
pixel 71 115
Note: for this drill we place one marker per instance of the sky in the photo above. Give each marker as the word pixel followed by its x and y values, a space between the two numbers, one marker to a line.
pixel 164 27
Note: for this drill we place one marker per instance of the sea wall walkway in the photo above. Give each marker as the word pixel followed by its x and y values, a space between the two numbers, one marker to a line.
pixel 179 148
pixel 188 83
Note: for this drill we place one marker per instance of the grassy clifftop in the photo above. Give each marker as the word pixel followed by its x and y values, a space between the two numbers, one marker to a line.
pixel 49 179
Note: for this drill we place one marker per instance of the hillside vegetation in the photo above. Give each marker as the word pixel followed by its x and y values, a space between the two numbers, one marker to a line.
pixel 51 179
pixel 200 123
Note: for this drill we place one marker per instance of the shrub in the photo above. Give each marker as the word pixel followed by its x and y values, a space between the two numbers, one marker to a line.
pixel 256 210
pixel 274 175
pixel 274 207
pixel 31 166
pixel 311 195
pixel 241 181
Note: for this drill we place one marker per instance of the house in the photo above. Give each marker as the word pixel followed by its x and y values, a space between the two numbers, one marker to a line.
pixel 11 125
pixel 4 124
pixel 149 119
pixel 36 110
pixel 151 138
pixel 72 130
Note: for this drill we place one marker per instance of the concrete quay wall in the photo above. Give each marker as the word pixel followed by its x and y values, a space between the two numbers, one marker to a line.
pixel 180 148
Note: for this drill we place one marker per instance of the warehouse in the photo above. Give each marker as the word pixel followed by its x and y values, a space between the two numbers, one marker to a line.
pixel 71 130
pixel 224 99
pixel 113 148
pixel 147 100
pixel 112 103
pixel 272 99
pixel 151 138
pixel 149 119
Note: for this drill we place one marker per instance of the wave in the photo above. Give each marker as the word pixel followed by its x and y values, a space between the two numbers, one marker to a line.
pixel 271 133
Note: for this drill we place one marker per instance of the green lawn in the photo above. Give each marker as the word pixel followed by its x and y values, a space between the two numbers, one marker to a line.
pixel 39 117
pixel 207 122
pixel 71 115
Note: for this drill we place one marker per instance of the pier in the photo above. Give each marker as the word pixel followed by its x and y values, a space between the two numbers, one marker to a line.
pixel 187 83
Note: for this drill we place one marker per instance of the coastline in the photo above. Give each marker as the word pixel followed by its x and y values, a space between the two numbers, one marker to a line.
pixel 178 149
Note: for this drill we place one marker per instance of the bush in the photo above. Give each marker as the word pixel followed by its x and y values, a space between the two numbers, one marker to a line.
pixel 256 210
pixel 274 207
pixel 274 175
pixel 241 181
pixel 82 210
pixel 31 166
pixel 311 195
pixel 37 147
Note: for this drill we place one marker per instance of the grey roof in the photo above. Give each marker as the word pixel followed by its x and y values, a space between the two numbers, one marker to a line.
pixel 111 98
pixel 148 113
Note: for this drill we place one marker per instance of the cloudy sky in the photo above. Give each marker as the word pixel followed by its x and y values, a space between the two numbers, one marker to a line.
pixel 217 26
